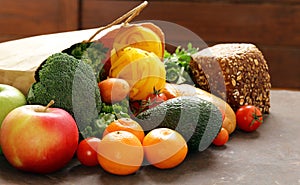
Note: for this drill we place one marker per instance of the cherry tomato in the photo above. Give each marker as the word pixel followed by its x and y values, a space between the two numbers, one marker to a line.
pixel 151 100
pixel 248 118
pixel 87 151
pixel 221 138
pixel 155 98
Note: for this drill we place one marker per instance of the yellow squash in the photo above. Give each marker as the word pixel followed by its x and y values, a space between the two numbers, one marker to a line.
pixel 141 37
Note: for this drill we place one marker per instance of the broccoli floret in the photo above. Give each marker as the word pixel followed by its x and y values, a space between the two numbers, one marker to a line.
pixel 71 83
pixel 100 124
pixel 92 53
pixel 119 109
pixel 108 114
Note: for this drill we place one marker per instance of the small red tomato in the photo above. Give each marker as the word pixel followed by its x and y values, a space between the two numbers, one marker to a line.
pixel 221 138
pixel 136 107
pixel 248 118
pixel 155 98
pixel 87 151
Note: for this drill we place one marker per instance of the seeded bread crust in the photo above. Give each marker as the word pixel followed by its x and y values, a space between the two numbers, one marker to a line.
pixel 236 72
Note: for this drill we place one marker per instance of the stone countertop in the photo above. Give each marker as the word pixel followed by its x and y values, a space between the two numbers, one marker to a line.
pixel 270 155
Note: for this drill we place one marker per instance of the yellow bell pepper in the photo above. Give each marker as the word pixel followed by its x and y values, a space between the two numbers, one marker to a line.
pixel 143 71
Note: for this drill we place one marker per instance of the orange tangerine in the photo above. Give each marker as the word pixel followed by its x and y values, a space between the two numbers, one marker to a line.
pixel 164 148
pixel 120 153
pixel 126 124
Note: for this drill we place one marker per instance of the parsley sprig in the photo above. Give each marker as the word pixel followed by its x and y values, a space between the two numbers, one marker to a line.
pixel 177 64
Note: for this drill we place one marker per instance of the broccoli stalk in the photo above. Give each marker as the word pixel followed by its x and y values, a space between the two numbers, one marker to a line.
pixel 72 84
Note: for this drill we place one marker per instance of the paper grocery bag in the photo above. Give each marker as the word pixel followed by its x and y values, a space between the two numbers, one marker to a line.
pixel 20 58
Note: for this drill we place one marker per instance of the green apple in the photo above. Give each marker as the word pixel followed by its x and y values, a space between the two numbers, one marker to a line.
pixel 10 98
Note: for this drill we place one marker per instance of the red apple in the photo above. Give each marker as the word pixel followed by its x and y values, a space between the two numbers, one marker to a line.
pixel 39 139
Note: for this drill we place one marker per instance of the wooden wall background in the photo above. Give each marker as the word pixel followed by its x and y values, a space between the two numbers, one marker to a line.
pixel 273 25
pixel 19 18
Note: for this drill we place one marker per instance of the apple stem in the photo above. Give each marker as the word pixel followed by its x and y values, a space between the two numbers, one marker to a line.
pixel 49 105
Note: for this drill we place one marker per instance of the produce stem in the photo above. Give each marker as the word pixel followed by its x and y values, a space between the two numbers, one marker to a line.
pixel 255 118
pixel 49 105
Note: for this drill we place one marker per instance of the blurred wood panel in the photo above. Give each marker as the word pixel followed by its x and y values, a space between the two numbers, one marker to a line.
pixel 267 24
pixel 19 18
pixel 284 66
pixel 274 26
pixel 229 1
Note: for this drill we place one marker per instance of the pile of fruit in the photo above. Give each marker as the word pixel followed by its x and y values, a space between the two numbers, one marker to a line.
pixel 120 104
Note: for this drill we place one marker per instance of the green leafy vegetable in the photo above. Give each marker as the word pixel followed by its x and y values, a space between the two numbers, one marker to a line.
pixel 177 64
pixel 97 128
pixel 71 84
pixel 120 109
pixel 92 53
pixel 108 114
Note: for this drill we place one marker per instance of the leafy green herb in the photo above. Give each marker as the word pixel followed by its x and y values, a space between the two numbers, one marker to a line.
pixel 177 64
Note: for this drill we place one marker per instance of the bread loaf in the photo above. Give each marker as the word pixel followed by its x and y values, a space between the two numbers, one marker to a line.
pixel 236 72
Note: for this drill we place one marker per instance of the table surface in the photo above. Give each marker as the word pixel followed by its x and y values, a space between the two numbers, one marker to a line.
pixel 270 155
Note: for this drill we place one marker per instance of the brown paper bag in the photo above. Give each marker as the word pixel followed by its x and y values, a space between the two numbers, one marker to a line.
pixel 20 58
